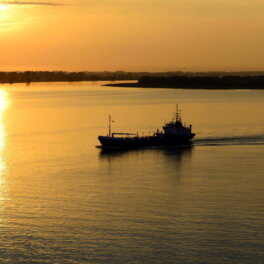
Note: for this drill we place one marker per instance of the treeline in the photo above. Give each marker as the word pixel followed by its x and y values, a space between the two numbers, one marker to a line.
pixel 62 76
pixel 208 82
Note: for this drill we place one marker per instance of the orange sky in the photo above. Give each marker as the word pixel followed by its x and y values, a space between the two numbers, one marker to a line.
pixel 132 35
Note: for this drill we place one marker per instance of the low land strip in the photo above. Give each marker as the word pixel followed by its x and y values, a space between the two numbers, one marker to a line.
pixel 176 79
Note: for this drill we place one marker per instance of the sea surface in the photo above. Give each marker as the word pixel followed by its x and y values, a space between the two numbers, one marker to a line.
pixel 62 200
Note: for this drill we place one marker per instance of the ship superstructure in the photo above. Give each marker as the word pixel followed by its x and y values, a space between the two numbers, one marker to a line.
pixel 176 127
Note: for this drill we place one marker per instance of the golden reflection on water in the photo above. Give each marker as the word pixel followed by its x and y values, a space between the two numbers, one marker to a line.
pixel 3 7
pixel 4 103
pixel 3 12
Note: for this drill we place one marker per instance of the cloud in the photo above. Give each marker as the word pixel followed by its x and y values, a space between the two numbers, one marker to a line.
pixel 24 3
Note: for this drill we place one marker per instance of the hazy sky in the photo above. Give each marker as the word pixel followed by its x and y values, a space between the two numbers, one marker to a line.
pixel 132 35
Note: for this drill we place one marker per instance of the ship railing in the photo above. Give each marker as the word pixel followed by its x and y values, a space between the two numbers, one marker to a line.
pixel 125 134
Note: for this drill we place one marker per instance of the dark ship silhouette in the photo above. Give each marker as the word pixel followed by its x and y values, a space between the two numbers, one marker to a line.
pixel 174 133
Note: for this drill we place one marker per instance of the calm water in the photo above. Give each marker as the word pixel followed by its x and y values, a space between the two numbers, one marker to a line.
pixel 64 201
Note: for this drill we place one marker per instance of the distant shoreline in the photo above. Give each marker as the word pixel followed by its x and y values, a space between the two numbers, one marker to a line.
pixel 172 79
pixel 198 82
pixel 136 85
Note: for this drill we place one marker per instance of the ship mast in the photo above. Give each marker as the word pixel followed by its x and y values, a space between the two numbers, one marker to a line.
pixel 109 125
pixel 178 114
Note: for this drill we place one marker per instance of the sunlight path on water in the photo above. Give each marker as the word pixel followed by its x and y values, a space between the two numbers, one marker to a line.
pixel 4 103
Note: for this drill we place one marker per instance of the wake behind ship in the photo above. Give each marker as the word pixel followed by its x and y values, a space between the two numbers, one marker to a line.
pixel 174 133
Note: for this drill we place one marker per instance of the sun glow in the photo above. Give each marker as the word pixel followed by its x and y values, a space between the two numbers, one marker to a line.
pixel 8 18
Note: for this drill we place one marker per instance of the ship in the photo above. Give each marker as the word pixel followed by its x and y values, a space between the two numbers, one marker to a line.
pixel 174 133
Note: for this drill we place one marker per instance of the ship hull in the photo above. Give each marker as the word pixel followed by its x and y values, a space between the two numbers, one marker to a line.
pixel 141 142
